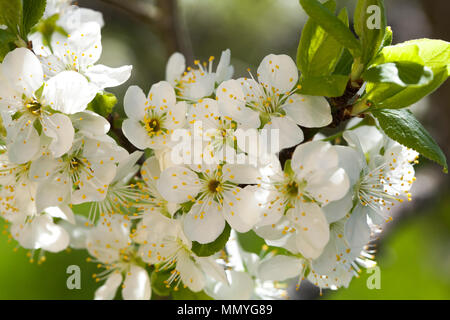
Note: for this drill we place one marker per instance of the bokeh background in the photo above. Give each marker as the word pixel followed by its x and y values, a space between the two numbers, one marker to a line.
pixel 413 252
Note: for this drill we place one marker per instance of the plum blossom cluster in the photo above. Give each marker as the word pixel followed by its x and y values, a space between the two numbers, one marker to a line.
pixel 155 225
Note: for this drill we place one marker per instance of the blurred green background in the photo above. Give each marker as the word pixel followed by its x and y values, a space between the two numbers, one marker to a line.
pixel 413 252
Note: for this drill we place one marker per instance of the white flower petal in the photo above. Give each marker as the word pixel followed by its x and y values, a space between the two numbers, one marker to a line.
pixel 224 70
pixel 58 127
pixel 312 157
pixel 137 284
pixel 41 233
pixel 313 230
pixel 240 288
pixel 231 99
pixel 178 184
pixel 212 269
pixel 52 193
pixel 134 103
pixel 175 67
pixel 68 92
pixel 90 122
pixel 23 71
pixel 108 290
pixel 162 95
pixel 136 134
pixel 329 185
pixel 107 77
pixel 280 268
pixel 190 273
pixel 278 72
pixel 204 223
pixel 308 111
pixel 241 174
pixel 240 209
pixel 25 144
pixel 357 231
pixel 63 212
pixel 336 210
pixel 289 133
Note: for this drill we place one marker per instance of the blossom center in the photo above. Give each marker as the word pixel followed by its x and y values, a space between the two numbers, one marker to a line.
pixel 214 186
pixel 34 107
pixel 153 125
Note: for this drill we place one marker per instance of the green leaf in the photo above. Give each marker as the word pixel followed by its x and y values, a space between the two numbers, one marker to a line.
pixel 344 65
pixel 11 14
pixel 208 249
pixel 388 35
pixel 158 285
pixel 370 26
pixel 434 54
pixel 33 10
pixel 318 52
pixel 328 86
pixel 402 73
pixel 332 25
pixel 403 127
pixel 251 242
pixel 6 43
pixel 103 103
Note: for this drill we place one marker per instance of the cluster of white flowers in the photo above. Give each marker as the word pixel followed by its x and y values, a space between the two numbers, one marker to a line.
pixel 315 215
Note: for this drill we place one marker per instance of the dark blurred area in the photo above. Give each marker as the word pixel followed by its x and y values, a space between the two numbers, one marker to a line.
pixel 413 252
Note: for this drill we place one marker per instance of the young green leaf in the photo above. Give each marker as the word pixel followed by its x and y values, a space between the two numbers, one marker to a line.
pixel 370 26
pixel 251 242
pixel 329 86
pixel 159 286
pixel 208 249
pixel 6 43
pixel 434 54
pixel 344 65
pixel 318 52
pixel 401 73
pixel 332 25
pixel 11 14
pixel 388 36
pixel 403 127
pixel 33 10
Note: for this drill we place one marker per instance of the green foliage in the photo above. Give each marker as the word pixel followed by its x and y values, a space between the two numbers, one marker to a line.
pixel 371 38
pixel 401 73
pixel 20 16
pixel 251 242
pixel 11 14
pixel 344 65
pixel 103 103
pixel 332 25
pixel 433 54
pixel 318 55
pixel 208 249
pixel 403 127
pixel 33 10
pixel 318 52
pixel 6 43
pixel 159 286
pixel 328 86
